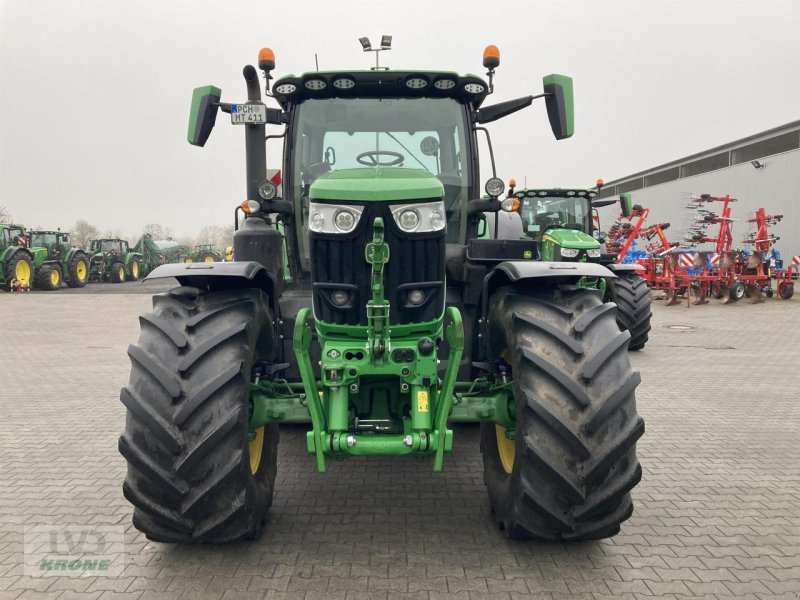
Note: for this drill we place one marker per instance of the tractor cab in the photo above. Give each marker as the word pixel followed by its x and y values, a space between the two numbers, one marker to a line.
pixel 560 221
pixel 114 246
pixel 13 235
pixel 55 242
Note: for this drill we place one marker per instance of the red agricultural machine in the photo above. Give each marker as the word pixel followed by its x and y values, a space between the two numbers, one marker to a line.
pixel 724 272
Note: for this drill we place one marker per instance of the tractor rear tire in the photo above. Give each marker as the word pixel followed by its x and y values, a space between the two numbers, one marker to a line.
pixel 786 290
pixel 737 291
pixel 134 269
pixel 78 270
pixel 117 273
pixel 19 266
pixel 633 298
pixel 569 471
pixel 49 277
pixel 193 474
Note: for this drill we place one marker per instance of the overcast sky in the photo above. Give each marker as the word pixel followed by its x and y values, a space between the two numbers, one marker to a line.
pixel 95 95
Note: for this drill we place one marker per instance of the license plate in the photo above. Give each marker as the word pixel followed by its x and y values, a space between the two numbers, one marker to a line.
pixel 242 114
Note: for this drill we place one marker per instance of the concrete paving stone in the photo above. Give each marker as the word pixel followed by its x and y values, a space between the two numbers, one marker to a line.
pixel 711 518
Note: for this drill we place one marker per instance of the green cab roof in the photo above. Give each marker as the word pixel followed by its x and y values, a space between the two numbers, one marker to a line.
pixel 554 192
pixel 382 183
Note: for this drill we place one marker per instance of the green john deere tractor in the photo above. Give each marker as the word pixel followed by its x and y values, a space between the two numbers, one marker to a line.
pixel 16 261
pixel 394 318
pixel 204 253
pixel 56 260
pixel 561 222
pixel 110 259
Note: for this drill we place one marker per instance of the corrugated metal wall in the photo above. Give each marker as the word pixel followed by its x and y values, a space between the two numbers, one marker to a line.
pixel 775 187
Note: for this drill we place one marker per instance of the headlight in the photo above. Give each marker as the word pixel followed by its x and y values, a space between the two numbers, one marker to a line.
pixel 416 297
pixel 593 253
pixel 340 297
pixel 419 218
pixel 333 218
pixel 267 190
pixel 286 88
pixel 569 252
pixel 408 219
pixel 495 186
pixel 344 220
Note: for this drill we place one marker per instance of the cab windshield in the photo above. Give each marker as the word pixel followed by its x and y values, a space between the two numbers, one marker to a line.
pixel 107 246
pixel 45 240
pixel 548 212
pixel 415 133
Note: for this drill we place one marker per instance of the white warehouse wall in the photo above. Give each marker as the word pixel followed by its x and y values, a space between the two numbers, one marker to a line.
pixel 776 188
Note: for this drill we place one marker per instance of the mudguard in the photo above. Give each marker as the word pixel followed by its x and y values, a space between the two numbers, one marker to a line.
pixel 626 267
pixel 221 275
pixel 516 270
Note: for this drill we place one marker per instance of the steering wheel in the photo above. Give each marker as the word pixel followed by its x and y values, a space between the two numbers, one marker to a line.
pixel 373 161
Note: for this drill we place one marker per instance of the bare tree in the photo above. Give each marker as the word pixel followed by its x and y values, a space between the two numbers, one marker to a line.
pixel 82 232
pixel 220 236
pixel 5 216
pixel 158 231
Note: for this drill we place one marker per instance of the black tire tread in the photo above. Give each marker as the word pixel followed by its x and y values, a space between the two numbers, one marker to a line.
pixel 633 299
pixel 185 438
pixel 575 461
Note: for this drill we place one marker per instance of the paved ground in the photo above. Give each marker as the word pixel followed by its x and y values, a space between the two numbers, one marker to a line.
pixel 717 514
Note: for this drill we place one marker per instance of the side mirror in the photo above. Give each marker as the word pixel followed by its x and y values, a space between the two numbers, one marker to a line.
pixel 625 204
pixel 203 114
pixel 602 203
pixel 560 105
pixel 483 228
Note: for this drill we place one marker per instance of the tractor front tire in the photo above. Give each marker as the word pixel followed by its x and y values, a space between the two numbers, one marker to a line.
pixel 568 473
pixel 633 300
pixel 78 269
pixel 19 269
pixel 49 277
pixel 194 473
pixel 117 273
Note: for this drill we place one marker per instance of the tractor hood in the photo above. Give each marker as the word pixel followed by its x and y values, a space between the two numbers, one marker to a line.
pixel 39 254
pixel 571 238
pixel 377 184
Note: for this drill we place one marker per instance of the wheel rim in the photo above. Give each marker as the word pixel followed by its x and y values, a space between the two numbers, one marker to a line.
pixel 506 449
pixel 256 446
pixel 209 258
pixel 187 260
pixel 22 272
pixel 81 270
pixel 121 273
pixel 54 278
pixel 135 269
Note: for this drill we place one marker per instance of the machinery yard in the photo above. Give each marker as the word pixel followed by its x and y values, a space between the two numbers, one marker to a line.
pixel 717 513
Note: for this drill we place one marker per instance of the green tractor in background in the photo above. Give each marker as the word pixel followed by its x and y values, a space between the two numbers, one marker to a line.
pixel 16 261
pixel 56 260
pixel 561 221
pixel 394 317
pixel 110 259
pixel 204 253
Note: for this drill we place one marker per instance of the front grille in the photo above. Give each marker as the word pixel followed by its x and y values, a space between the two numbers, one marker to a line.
pixel 416 261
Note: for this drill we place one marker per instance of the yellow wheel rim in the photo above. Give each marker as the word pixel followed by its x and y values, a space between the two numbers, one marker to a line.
pixel 80 270
pixel 187 260
pixel 256 447
pixel 209 258
pixel 22 273
pixel 122 273
pixel 135 270
pixel 54 278
pixel 506 449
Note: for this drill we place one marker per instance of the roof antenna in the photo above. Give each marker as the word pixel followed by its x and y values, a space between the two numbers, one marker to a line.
pixel 316 61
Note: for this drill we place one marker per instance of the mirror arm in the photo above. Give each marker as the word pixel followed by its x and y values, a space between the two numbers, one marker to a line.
pixel 491 152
